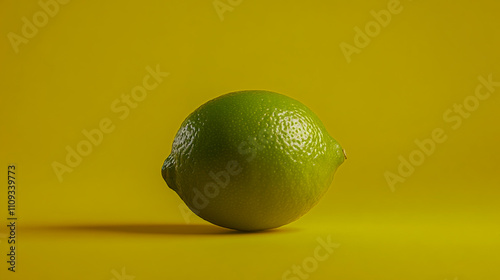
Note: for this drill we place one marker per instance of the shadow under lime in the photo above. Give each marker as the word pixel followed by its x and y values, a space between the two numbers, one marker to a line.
pixel 157 229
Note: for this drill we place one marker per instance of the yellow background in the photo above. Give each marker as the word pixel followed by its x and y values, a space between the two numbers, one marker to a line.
pixel 114 210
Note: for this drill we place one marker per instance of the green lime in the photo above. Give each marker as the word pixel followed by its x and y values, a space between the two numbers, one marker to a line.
pixel 252 160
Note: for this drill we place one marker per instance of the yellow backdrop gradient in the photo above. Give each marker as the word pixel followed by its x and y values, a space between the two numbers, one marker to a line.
pixel 113 216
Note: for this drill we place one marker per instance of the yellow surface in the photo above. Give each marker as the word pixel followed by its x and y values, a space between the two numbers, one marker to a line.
pixel 113 217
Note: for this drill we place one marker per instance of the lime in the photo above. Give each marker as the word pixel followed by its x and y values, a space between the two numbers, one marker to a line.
pixel 252 160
